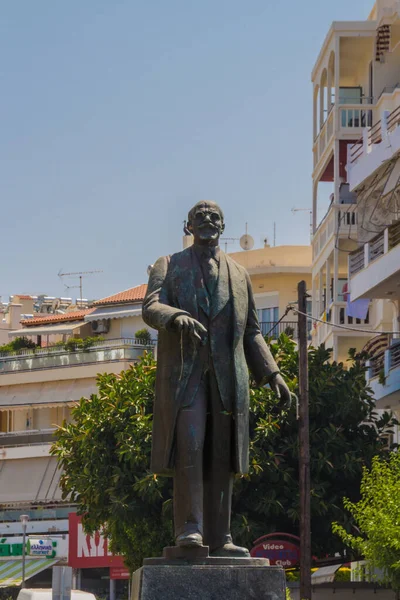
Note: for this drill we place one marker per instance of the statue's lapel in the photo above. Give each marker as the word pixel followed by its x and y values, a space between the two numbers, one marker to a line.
pixel 238 286
pixel 221 294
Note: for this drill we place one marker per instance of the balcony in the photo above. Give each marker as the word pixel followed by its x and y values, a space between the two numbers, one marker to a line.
pixel 340 218
pixel 274 330
pixel 374 268
pixel 347 121
pixel 335 315
pixel 383 376
pixel 377 145
pixel 27 437
pixel 114 350
pixel 324 137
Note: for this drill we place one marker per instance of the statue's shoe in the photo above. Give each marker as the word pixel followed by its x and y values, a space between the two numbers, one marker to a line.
pixel 189 540
pixel 230 550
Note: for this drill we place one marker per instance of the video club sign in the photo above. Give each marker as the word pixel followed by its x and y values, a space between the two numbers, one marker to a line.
pixel 279 551
pixel 90 552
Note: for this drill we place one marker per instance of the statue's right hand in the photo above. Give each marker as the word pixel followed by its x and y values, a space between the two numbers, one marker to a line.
pixel 190 326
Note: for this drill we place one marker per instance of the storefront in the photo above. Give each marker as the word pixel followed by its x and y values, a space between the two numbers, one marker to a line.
pixel 41 554
pixel 98 570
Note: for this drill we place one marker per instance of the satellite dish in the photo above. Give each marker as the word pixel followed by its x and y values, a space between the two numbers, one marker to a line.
pixel 149 268
pixel 246 242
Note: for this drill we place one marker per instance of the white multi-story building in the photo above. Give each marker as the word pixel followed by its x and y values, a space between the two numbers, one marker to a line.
pixel 373 167
pixel 354 79
pixel 38 388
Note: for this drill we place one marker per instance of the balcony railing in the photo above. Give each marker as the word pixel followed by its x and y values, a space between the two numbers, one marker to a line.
pixel 324 137
pixel 385 361
pixel 274 330
pixel 29 437
pixel 121 349
pixel 373 136
pixel 382 243
pixel 341 218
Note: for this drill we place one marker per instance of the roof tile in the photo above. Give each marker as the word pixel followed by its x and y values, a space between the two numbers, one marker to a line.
pixel 73 315
pixel 135 294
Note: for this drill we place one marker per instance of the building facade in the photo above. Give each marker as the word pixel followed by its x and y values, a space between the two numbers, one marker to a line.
pixel 38 389
pixel 355 82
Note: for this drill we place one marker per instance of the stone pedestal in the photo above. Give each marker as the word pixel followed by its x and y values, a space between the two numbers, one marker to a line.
pixel 208 579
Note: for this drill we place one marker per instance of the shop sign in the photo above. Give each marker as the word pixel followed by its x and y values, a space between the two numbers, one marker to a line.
pixel 119 573
pixel 86 551
pixel 41 547
pixel 34 547
pixel 280 552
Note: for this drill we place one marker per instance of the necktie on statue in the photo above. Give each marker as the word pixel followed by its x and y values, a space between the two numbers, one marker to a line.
pixel 210 268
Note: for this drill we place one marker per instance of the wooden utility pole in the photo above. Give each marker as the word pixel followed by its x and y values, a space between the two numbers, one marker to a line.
pixel 304 443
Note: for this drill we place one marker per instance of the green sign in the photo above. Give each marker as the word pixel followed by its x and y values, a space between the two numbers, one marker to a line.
pixel 34 547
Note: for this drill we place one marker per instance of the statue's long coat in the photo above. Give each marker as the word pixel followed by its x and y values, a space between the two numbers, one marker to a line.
pixel 176 287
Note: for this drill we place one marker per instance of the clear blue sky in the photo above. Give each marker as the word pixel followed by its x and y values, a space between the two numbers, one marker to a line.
pixel 118 115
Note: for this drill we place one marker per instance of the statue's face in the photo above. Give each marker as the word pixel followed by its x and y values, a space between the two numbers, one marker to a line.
pixel 206 224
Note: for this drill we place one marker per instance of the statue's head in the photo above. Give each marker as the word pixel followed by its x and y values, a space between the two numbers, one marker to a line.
pixel 206 222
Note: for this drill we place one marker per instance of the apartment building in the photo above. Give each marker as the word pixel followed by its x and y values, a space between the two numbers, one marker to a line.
pixel 373 167
pixel 341 105
pixel 275 273
pixel 38 388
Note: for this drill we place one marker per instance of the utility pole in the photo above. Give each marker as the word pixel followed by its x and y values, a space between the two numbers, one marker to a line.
pixel 304 443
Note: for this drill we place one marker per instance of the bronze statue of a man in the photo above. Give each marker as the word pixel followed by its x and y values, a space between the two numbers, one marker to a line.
pixel 201 302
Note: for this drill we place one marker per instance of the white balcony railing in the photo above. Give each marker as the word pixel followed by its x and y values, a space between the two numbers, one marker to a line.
pixel 376 145
pixel 120 349
pixel 340 219
pixel 324 137
pixel 381 244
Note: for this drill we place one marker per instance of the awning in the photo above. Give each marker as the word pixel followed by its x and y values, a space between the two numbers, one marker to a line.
pixel 46 394
pixel 30 480
pixel 11 570
pixel 57 329
pixel 114 312
pixel 325 574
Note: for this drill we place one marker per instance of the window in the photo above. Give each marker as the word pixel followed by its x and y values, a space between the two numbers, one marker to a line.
pixel 267 318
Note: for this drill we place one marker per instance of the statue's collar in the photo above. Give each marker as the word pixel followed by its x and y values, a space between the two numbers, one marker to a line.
pixel 207 252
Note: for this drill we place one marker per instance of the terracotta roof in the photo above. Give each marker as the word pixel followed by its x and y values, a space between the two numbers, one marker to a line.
pixel 72 315
pixel 23 297
pixel 135 294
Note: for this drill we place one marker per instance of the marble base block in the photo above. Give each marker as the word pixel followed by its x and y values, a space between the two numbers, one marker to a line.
pixel 229 581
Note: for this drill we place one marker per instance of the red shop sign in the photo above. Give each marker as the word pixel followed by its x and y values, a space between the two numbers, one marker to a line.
pixel 119 573
pixel 279 552
pixel 87 552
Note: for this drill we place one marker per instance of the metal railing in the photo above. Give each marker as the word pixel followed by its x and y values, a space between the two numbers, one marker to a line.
pixel 374 135
pixel 376 247
pixel 60 349
pixel 394 235
pixel 377 364
pixel 274 330
pixel 395 356
pixel 356 261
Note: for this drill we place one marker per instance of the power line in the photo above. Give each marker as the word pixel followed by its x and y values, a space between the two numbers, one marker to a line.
pixel 310 318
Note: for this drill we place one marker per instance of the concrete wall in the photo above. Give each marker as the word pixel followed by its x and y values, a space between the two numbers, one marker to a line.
pixel 282 285
pixel 354 592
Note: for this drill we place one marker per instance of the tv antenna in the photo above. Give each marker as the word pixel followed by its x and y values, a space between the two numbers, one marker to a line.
pixel 294 210
pixel 246 241
pixel 78 274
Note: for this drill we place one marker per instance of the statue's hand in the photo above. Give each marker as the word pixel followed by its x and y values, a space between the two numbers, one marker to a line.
pixel 191 327
pixel 280 388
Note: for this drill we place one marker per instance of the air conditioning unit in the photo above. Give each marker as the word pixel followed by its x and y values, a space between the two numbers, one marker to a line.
pixel 101 326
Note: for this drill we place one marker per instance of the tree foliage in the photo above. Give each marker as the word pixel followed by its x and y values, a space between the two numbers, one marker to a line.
pixel 105 456
pixel 377 516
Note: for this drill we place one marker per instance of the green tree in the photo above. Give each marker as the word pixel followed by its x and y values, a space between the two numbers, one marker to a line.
pixel 377 516
pixel 105 456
